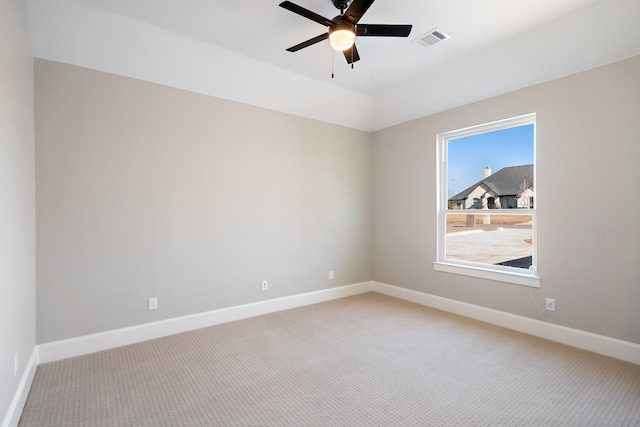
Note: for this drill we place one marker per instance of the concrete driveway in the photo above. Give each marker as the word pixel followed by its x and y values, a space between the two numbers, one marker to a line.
pixel 489 246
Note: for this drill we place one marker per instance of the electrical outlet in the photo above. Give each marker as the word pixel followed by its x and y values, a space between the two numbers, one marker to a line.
pixel 265 285
pixel 550 304
pixel 153 303
pixel 331 275
pixel 15 364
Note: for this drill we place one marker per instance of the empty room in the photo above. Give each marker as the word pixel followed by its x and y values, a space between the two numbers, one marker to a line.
pixel 319 212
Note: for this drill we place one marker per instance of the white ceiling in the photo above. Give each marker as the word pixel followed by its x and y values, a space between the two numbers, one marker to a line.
pixel 496 46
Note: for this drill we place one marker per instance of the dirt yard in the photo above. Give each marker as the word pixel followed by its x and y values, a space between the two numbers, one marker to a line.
pixel 458 222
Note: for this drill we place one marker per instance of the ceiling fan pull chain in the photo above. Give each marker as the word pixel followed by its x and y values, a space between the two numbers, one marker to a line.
pixel 331 63
pixel 352 49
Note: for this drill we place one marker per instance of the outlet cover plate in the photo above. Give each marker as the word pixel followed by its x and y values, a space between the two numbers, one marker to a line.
pixel 550 304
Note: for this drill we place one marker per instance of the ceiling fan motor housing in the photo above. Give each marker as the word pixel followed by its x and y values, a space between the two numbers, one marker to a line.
pixel 341 4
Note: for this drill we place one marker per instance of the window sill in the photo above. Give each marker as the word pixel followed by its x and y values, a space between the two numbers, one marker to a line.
pixel 524 279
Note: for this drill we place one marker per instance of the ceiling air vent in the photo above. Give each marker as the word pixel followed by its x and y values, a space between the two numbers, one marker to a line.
pixel 430 38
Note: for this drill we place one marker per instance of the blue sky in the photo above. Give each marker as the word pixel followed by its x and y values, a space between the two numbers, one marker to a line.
pixel 469 156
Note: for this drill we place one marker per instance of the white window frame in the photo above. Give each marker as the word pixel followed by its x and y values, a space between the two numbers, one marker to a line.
pixel 500 273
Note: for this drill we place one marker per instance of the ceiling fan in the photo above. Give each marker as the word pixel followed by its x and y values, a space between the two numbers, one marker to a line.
pixel 343 29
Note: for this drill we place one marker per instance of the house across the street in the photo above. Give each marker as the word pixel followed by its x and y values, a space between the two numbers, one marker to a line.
pixel 509 188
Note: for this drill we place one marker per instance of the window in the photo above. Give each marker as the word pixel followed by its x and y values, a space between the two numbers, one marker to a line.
pixel 486 186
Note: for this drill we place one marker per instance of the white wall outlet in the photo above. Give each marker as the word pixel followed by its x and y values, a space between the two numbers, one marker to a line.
pixel 331 275
pixel 15 364
pixel 550 304
pixel 153 303
pixel 265 285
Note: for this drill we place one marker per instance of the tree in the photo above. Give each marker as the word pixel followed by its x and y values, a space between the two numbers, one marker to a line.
pixel 523 194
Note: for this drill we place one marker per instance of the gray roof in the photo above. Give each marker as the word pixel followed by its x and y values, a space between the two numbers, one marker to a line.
pixel 506 182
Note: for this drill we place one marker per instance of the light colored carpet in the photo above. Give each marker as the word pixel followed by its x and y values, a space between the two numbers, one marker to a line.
pixel 359 361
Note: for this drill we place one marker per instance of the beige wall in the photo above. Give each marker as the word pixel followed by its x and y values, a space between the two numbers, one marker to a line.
pixel 145 190
pixel 17 199
pixel 149 191
pixel 588 135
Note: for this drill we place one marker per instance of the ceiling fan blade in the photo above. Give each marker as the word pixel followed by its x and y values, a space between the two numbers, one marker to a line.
pixel 355 11
pixel 307 13
pixel 351 54
pixel 383 30
pixel 309 42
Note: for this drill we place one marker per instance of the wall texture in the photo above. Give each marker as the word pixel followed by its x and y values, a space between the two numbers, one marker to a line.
pixel 17 199
pixel 588 145
pixel 149 191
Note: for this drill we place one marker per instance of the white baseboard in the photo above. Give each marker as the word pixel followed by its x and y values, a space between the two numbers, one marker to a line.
pixel 12 417
pixel 58 350
pixel 601 344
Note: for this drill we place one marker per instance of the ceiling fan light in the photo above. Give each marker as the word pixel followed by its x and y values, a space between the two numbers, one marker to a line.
pixel 342 39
